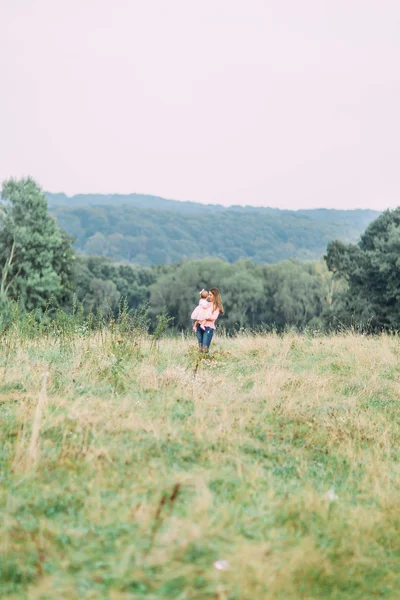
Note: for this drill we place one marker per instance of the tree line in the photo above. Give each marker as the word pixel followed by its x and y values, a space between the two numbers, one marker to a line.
pixel 255 296
pixel 356 284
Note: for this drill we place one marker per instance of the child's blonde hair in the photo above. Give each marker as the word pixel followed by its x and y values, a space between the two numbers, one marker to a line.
pixel 203 294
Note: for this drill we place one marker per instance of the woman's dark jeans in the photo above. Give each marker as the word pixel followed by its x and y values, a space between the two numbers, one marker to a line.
pixel 204 336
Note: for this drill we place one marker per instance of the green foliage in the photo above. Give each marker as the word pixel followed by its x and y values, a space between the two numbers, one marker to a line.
pixel 35 255
pixel 274 296
pixel 41 273
pixel 371 272
pixel 101 284
pixel 295 295
pixel 146 231
pixel 61 326
pixel 289 294
pixel 163 322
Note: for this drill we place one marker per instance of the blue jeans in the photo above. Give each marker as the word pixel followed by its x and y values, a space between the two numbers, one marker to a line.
pixel 204 336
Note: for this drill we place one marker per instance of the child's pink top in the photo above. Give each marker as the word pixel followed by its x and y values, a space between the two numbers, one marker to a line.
pixel 202 311
pixel 210 322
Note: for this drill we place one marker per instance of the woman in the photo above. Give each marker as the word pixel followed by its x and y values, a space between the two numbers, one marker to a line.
pixel 204 336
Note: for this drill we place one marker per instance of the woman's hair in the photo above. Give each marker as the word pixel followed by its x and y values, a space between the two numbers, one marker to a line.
pixel 203 294
pixel 217 302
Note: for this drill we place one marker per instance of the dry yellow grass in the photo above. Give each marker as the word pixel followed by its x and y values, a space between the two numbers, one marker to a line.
pixel 131 471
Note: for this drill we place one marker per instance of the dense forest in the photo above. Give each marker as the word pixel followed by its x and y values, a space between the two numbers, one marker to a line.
pixel 148 230
pixel 255 296
pixel 356 285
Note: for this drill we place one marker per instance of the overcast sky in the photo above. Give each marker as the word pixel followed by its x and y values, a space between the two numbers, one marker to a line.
pixel 286 103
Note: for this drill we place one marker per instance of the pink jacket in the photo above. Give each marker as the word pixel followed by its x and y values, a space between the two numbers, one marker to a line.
pixel 202 311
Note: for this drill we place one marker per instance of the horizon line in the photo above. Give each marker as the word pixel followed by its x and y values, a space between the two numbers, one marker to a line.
pixel 210 204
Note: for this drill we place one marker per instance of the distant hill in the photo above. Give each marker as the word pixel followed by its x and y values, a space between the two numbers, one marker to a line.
pixel 138 200
pixel 152 230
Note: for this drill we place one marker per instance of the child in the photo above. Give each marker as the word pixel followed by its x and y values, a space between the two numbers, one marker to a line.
pixel 202 311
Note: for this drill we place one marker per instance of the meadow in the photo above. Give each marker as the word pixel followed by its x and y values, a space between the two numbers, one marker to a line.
pixel 132 468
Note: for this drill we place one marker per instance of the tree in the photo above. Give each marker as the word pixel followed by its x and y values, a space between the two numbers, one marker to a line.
pixel 295 294
pixel 132 283
pixel 288 293
pixel 176 290
pixel 243 293
pixel 104 295
pixel 371 270
pixel 35 254
pixel 97 244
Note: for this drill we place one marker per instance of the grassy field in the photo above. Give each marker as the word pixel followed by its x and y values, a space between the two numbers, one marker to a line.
pixel 269 469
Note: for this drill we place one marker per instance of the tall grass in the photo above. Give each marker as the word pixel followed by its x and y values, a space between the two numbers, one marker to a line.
pixel 136 469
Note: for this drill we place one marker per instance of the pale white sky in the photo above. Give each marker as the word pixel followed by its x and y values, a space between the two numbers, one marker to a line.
pixel 287 103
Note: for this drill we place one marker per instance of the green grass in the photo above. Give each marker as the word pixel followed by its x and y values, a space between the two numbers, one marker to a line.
pixel 131 469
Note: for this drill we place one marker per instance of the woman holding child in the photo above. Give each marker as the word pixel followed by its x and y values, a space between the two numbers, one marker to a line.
pixel 205 315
